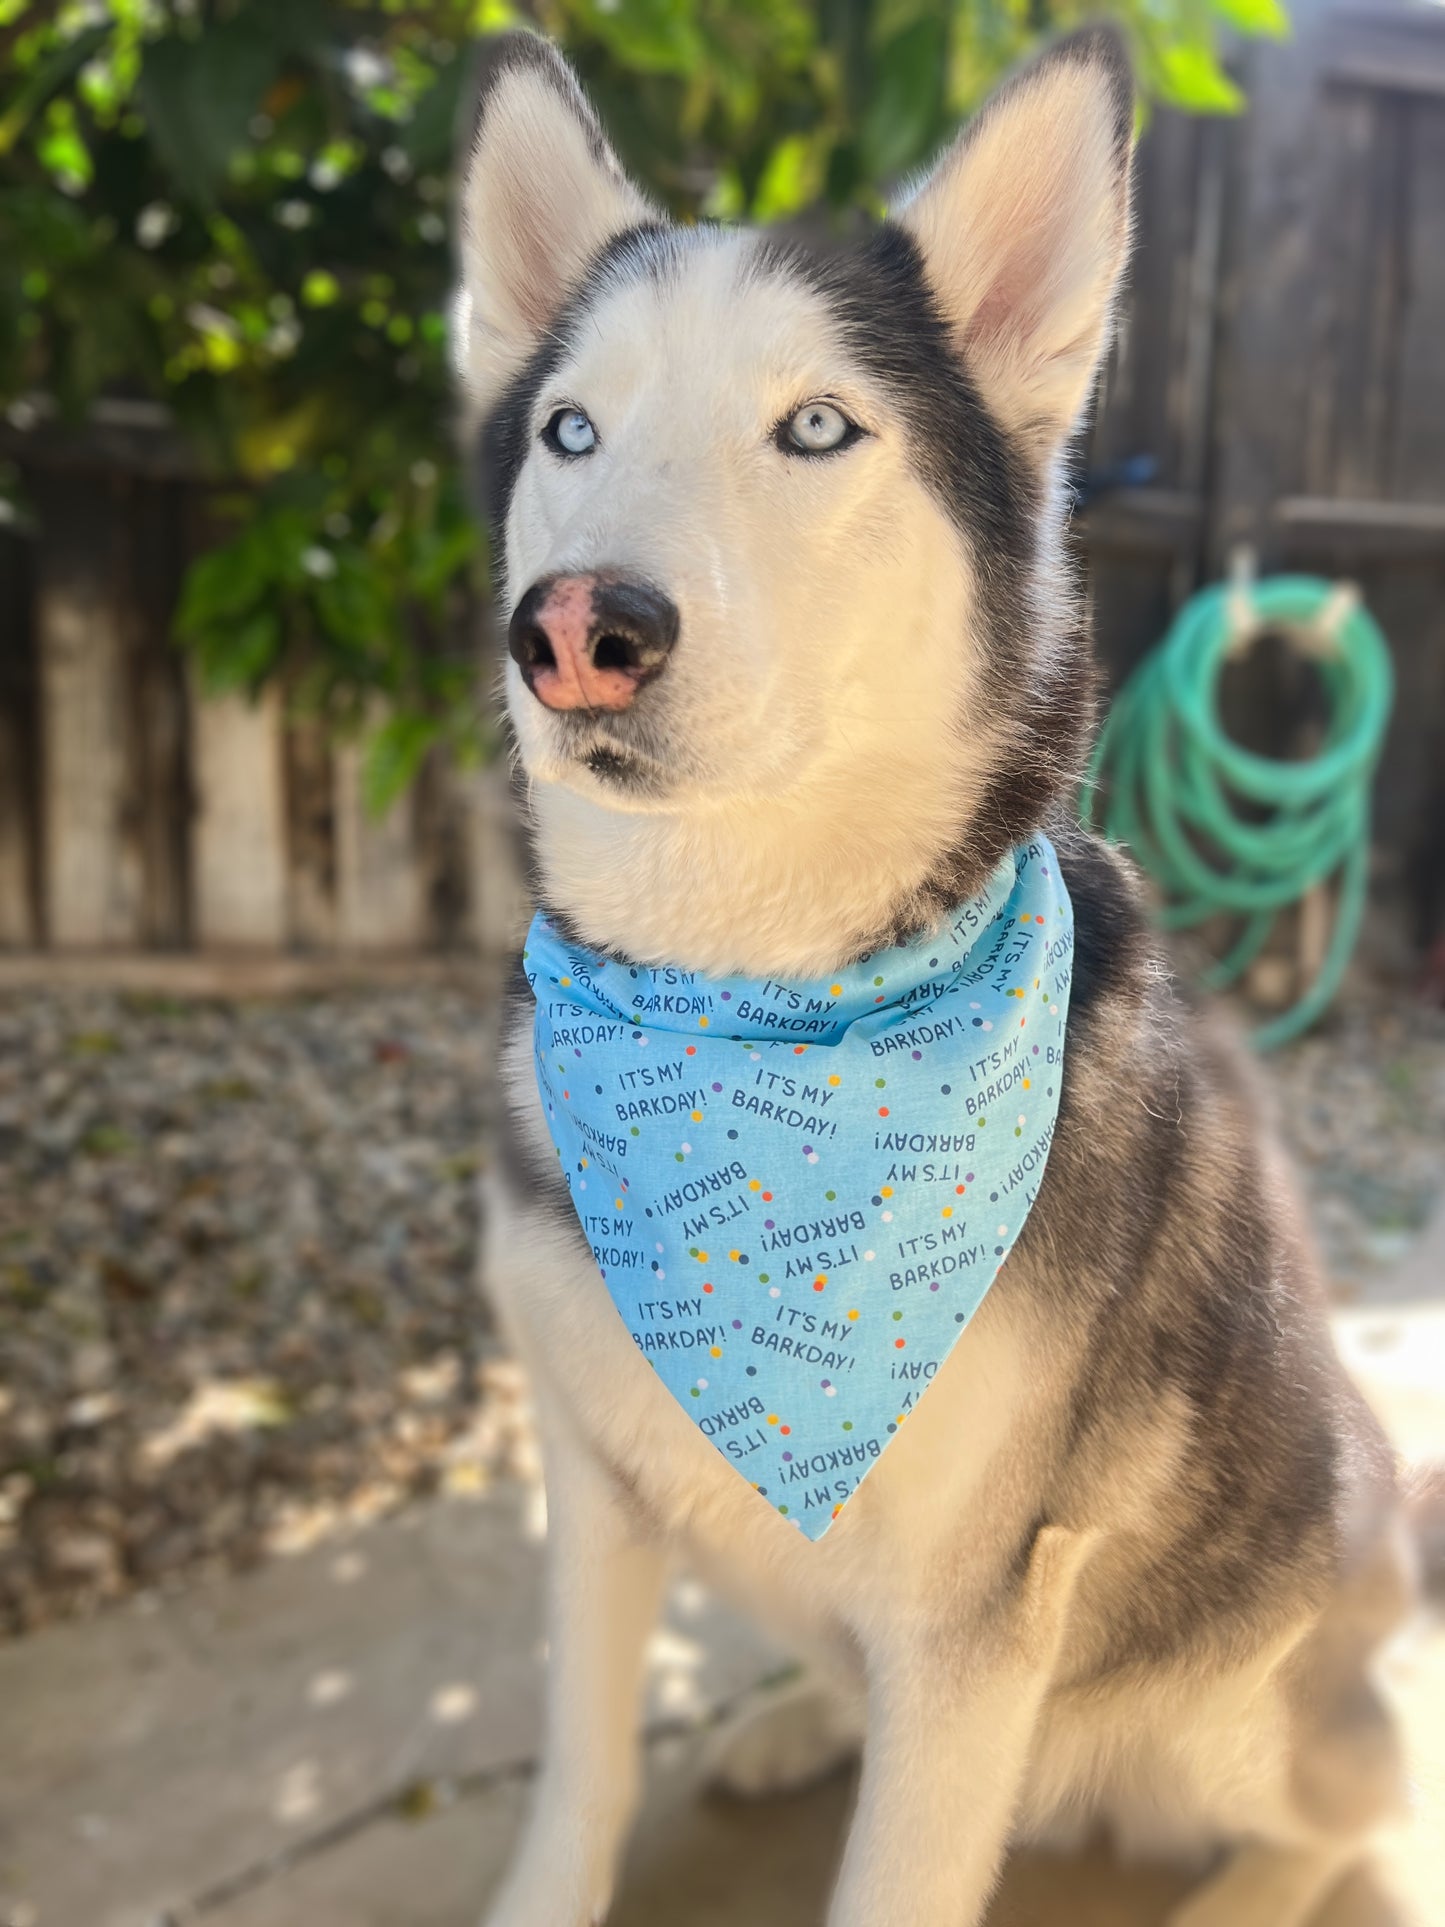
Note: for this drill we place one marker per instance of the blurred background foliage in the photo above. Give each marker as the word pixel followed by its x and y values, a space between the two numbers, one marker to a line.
pixel 240 209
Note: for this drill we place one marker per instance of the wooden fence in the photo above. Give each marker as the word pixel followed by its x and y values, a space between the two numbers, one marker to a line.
pixel 1280 383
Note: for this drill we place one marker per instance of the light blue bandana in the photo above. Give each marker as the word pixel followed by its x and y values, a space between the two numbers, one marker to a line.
pixel 798 1193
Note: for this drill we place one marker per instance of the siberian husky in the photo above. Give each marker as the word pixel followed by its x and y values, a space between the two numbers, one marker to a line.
pixel 795 658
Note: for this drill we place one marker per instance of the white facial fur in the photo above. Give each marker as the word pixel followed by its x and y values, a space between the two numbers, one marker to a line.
pixel 819 735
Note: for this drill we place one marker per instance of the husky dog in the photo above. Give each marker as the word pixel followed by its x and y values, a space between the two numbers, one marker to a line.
pixel 794 659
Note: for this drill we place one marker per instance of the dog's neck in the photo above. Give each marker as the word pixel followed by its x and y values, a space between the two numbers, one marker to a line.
pixel 795 888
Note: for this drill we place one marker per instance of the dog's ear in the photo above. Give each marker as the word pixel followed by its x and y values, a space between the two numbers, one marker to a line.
pixel 1024 227
pixel 541 192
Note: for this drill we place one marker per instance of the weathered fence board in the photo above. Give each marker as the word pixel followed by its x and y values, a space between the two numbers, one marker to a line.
pixel 240 836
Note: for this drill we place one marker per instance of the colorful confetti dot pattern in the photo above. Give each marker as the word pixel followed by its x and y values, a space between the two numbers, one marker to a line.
pixel 798 1193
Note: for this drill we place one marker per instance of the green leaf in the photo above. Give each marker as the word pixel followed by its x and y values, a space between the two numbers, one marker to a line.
pixel 199 95
pixel 47 79
pixel 222 585
pixel 1266 17
pixel 393 757
pixel 432 131
pixel 1192 78
pixel 906 105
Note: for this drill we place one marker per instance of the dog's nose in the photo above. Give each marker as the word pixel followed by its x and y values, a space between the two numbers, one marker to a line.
pixel 591 641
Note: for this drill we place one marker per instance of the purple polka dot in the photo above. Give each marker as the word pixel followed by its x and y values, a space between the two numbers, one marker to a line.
pixel 917 1056
pixel 825 1383
pixel 807 1150
pixel 717 1087
pixel 727 996
pixel 767 1224
pixel 737 1324
pixel 934 1285
pixel 788 1457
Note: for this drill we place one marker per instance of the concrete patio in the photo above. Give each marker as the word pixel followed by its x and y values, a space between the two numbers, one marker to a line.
pixel 344 1739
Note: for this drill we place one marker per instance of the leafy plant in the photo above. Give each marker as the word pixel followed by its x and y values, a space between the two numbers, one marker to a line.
pixel 240 208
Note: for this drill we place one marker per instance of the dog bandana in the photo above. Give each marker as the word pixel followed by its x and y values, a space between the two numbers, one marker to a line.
pixel 798 1193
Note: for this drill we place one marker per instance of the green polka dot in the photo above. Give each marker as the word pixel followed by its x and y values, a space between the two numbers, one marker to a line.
pixel 896 1316
pixel 830 1195
pixel 678 1156
pixel 879 1082
pixel 762 1278
pixel 696 1393
pixel 877 980
pixel 636 1132
pixel 847 1425
pixel 782 1508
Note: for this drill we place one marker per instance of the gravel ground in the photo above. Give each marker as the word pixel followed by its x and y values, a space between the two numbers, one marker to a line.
pixel 237 1294
pixel 237 1306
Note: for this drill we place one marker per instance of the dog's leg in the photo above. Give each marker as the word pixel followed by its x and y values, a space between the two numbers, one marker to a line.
pixel 951 1717
pixel 1268 1886
pixel 604 1578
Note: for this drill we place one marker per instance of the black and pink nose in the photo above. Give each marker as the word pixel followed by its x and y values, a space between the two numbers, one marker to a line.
pixel 591 641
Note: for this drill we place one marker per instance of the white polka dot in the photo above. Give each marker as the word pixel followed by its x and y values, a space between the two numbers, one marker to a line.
pixel 869 1256
pixel 702 1384
pixel 687 1147
pixel 1003 1231
pixel 887 1217
pixel 830 1391
pixel 773 1292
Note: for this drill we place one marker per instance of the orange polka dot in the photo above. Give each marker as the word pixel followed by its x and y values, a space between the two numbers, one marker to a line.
pixel 692 1050
pixel 707 1288
pixel 882 1110
pixel 786 1430
pixel 899 1343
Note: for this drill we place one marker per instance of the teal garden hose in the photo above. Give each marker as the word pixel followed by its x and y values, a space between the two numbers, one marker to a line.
pixel 1223 830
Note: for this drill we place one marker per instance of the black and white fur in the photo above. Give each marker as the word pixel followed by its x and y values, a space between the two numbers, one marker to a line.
pixel 1132 1555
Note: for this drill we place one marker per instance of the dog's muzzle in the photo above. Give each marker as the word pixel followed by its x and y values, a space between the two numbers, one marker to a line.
pixel 591 641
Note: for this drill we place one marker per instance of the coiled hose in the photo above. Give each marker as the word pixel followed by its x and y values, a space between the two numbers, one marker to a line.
pixel 1223 830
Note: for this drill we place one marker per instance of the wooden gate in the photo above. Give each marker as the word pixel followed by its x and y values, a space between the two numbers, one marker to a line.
pixel 1280 383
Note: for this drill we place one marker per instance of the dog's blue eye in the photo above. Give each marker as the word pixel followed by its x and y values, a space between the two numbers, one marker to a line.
pixel 570 432
pixel 817 429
